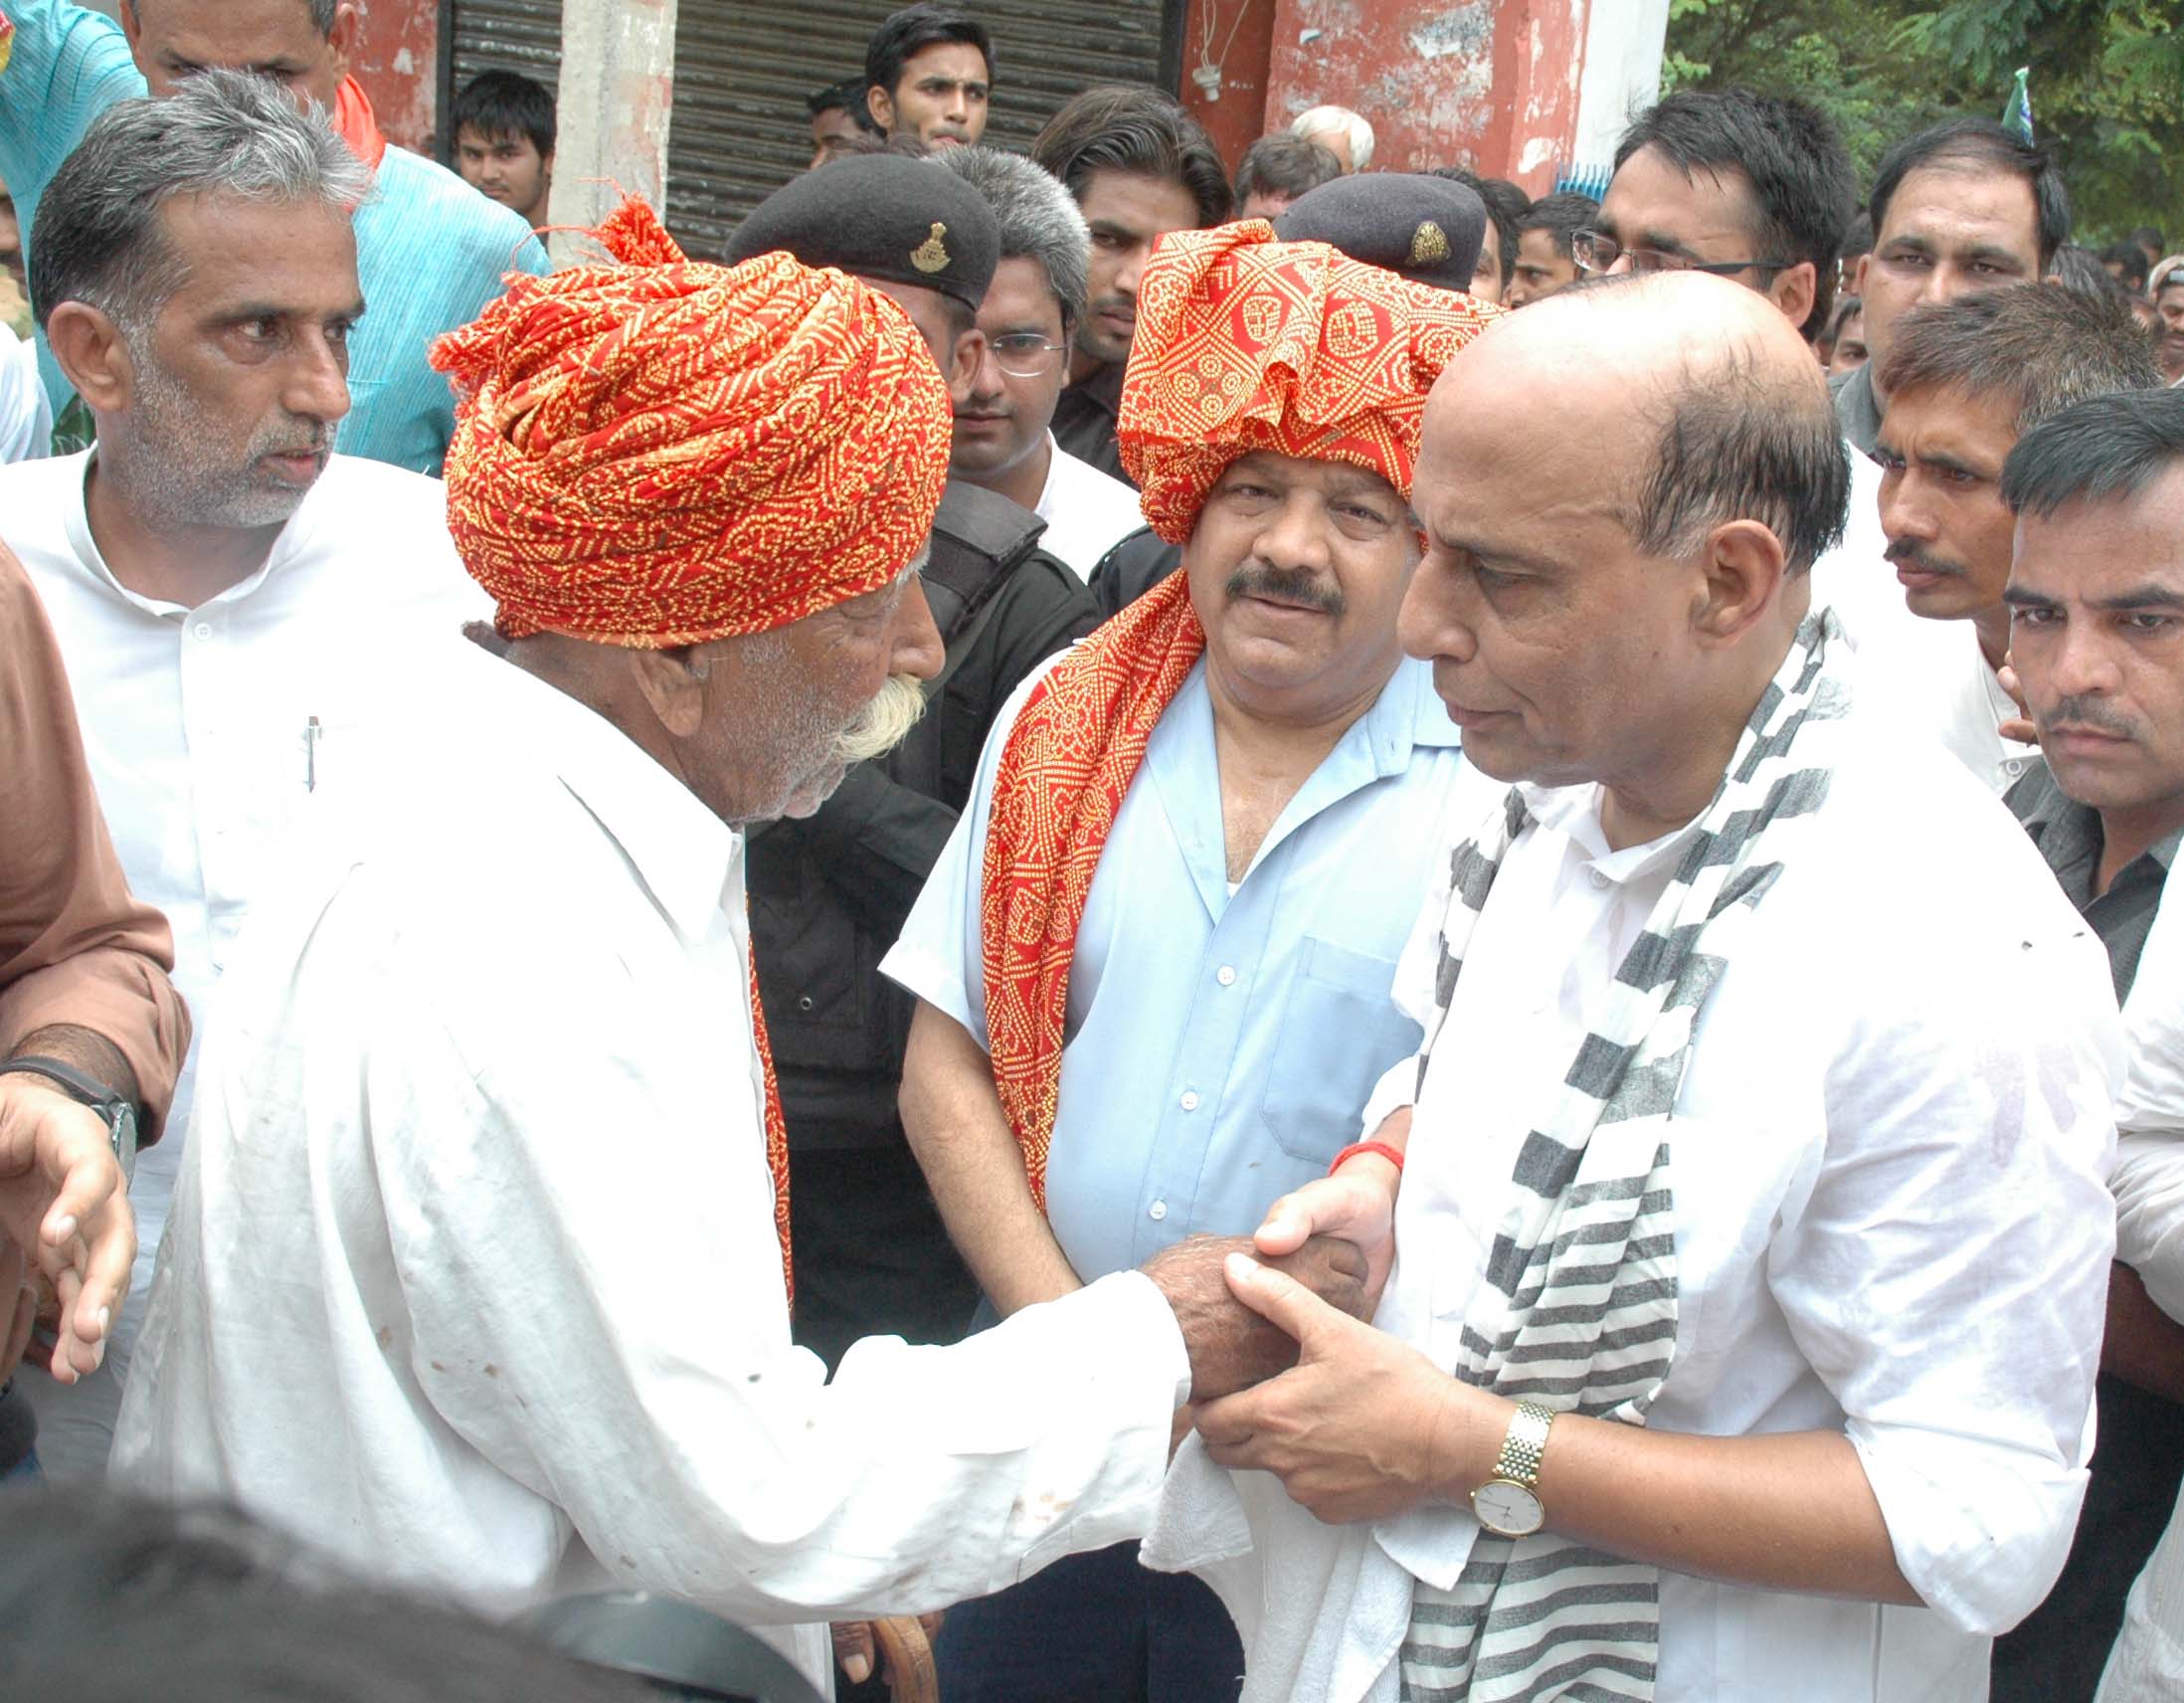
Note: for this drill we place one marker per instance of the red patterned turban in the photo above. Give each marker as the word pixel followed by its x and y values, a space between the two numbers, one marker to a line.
pixel 1246 343
pixel 661 452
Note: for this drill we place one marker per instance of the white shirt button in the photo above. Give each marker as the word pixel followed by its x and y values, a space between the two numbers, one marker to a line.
pixel 1599 881
pixel 204 629
pixel 1189 1102
pixel 1226 975
pixel 1156 1211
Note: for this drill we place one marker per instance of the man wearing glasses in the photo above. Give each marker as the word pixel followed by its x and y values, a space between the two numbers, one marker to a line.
pixel 1759 191
pixel 830 892
pixel 1004 438
pixel 1746 186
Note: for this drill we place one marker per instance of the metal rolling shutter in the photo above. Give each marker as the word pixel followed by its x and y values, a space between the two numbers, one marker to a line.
pixel 496 35
pixel 744 66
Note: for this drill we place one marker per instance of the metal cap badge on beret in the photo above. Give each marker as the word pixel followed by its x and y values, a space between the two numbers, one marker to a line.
pixel 1428 229
pixel 883 216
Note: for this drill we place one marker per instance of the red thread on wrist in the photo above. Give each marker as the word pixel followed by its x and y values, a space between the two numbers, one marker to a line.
pixel 1393 1155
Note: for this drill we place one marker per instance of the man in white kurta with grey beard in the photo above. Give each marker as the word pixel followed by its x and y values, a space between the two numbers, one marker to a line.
pixel 474 1275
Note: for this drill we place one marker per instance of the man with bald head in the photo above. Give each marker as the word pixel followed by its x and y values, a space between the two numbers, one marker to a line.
pixel 1751 1241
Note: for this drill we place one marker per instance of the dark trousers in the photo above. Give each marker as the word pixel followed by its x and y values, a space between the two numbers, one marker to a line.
pixel 2057 1653
pixel 872 1257
pixel 1094 1629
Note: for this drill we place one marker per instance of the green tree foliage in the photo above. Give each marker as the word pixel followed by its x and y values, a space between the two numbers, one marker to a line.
pixel 2107 81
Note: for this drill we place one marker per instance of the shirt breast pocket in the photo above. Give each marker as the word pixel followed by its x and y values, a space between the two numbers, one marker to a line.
pixel 1340 1032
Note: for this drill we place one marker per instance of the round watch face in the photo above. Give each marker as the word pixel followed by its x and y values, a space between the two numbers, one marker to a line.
pixel 1506 1508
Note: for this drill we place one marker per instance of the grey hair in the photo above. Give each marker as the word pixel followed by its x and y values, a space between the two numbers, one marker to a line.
pixel 1738 442
pixel 1352 124
pixel 1038 219
pixel 323 14
pixel 101 240
pixel 1737 437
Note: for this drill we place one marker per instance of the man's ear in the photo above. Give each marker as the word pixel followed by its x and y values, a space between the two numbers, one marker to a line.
pixel 93 356
pixel 1793 291
pixel 342 38
pixel 673 687
pixel 882 106
pixel 1744 568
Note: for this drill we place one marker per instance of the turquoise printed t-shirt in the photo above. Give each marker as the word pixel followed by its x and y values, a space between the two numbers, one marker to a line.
pixel 430 250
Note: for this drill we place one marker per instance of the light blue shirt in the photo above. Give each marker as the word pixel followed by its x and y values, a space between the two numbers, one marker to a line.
pixel 430 250
pixel 1221 1048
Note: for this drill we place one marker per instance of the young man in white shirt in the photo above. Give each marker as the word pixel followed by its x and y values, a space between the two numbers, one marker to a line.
pixel 1004 440
pixel 1965 380
pixel 237 604
pixel 1753 1192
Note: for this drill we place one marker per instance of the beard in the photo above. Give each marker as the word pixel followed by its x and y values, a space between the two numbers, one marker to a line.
pixel 793 756
pixel 883 723
pixel 190 480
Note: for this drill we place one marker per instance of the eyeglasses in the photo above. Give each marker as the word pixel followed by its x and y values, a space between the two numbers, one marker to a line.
pixel 1025 354
pixel 1597 253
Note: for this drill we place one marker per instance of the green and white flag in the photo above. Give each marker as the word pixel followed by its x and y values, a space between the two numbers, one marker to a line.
pixel 2016 115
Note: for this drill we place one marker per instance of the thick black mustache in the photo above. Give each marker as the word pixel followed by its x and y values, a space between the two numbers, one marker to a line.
pixel 1286 585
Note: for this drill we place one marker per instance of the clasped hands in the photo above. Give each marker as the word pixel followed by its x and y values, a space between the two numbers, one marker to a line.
pixel 1356 1423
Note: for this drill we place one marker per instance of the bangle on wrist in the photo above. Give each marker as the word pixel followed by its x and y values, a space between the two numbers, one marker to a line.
pixel 1393 1155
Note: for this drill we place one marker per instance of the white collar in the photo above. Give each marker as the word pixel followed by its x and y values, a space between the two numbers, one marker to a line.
pixel 1574 813
pixel 287 545
pixel 687 857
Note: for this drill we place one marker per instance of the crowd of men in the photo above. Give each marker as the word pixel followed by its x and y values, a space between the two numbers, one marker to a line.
pixel 1315 935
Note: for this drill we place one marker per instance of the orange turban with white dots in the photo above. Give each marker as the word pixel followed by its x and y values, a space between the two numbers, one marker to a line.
pixel 1246 343
pixel 656 451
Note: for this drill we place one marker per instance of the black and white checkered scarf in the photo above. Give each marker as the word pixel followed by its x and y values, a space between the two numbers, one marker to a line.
pixel 1577 1310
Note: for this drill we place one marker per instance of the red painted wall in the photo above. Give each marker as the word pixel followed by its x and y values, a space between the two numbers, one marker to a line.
pixel 1488 84
pixel 398 63
pixel 1245 27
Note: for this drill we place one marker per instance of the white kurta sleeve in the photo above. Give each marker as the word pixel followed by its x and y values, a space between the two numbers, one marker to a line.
pixel 1947 1275
pixel 593 1303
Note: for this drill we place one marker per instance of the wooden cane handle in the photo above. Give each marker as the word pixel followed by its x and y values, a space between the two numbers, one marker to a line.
pixel 906 1658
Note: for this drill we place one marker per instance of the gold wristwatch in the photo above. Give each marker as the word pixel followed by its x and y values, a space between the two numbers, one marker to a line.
pixel 1507 1504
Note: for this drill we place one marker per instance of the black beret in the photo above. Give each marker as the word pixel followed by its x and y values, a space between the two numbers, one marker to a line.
pixel 882 216
pixel 1425 227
